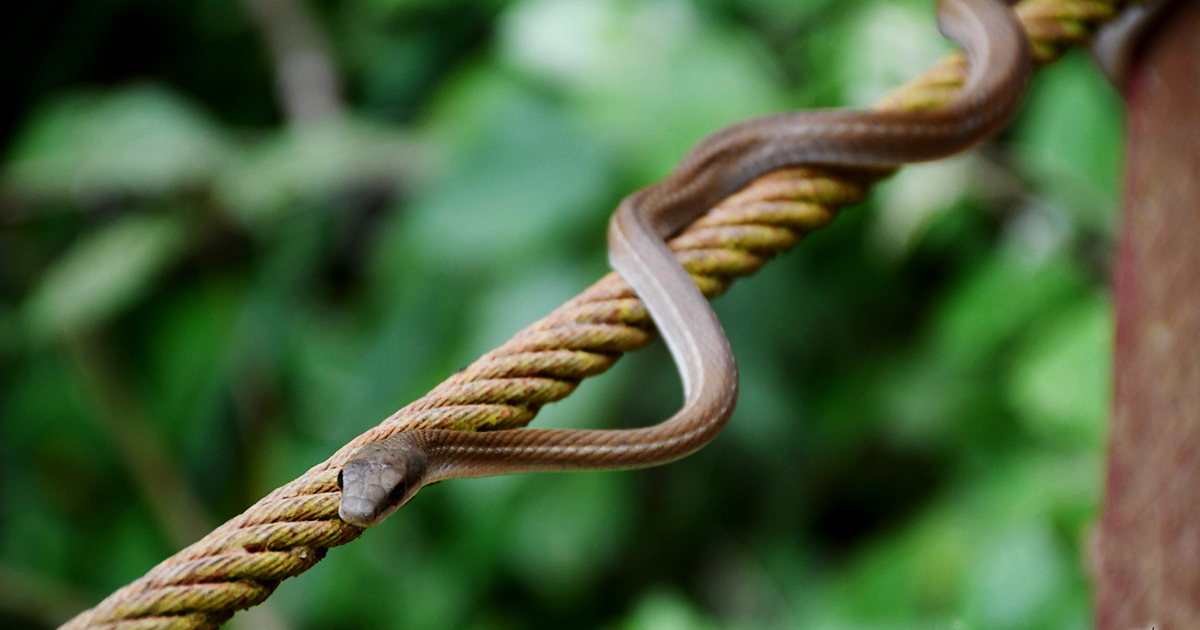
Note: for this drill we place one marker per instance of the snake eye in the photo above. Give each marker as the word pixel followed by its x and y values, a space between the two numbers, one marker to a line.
pixel 340 479
pixel 397 493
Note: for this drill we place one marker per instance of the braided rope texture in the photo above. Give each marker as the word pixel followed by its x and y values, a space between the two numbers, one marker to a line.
pixel 239 564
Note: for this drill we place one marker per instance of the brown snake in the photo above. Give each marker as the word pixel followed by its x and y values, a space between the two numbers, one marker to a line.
pixel 384 475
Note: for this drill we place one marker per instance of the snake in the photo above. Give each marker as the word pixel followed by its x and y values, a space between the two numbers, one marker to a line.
pixel 384 475
pixel 1117 44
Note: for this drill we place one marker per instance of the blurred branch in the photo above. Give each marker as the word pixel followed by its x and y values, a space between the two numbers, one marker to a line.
pixel 1149 559
pixel 306 79
pixel 179 511
pixel 37 598
pixel 127 425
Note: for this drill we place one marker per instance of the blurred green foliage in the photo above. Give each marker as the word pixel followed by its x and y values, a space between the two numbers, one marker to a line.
pixel 200 299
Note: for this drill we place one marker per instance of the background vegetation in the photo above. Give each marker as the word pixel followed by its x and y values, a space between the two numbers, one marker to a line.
pixel 209 283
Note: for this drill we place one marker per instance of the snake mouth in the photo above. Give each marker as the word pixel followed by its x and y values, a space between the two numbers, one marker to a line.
pixel 358 510
pixel 369 510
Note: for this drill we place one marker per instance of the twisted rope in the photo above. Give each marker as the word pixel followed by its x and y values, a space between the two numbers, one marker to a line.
pixel 240 563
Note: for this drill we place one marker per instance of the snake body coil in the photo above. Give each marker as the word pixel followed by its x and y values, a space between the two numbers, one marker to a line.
pixel 384 475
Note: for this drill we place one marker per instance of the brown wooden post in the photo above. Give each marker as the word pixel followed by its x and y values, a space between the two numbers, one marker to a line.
pixel 1149 538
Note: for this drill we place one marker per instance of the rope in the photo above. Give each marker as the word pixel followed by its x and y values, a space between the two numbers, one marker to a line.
pixel 239 564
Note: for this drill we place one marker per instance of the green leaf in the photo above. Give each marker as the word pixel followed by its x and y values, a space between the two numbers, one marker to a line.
pixel 649 96
pixel 316 161
pixel 1070 140
pixel 1060 382
pixel 1021 581
pixel 665 610
pixel 513 187
pixel 103 274
pixel 142 140
pixel 561 537
pixel 996 300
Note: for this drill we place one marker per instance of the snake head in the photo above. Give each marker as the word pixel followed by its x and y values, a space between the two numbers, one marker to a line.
pixel 381 477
